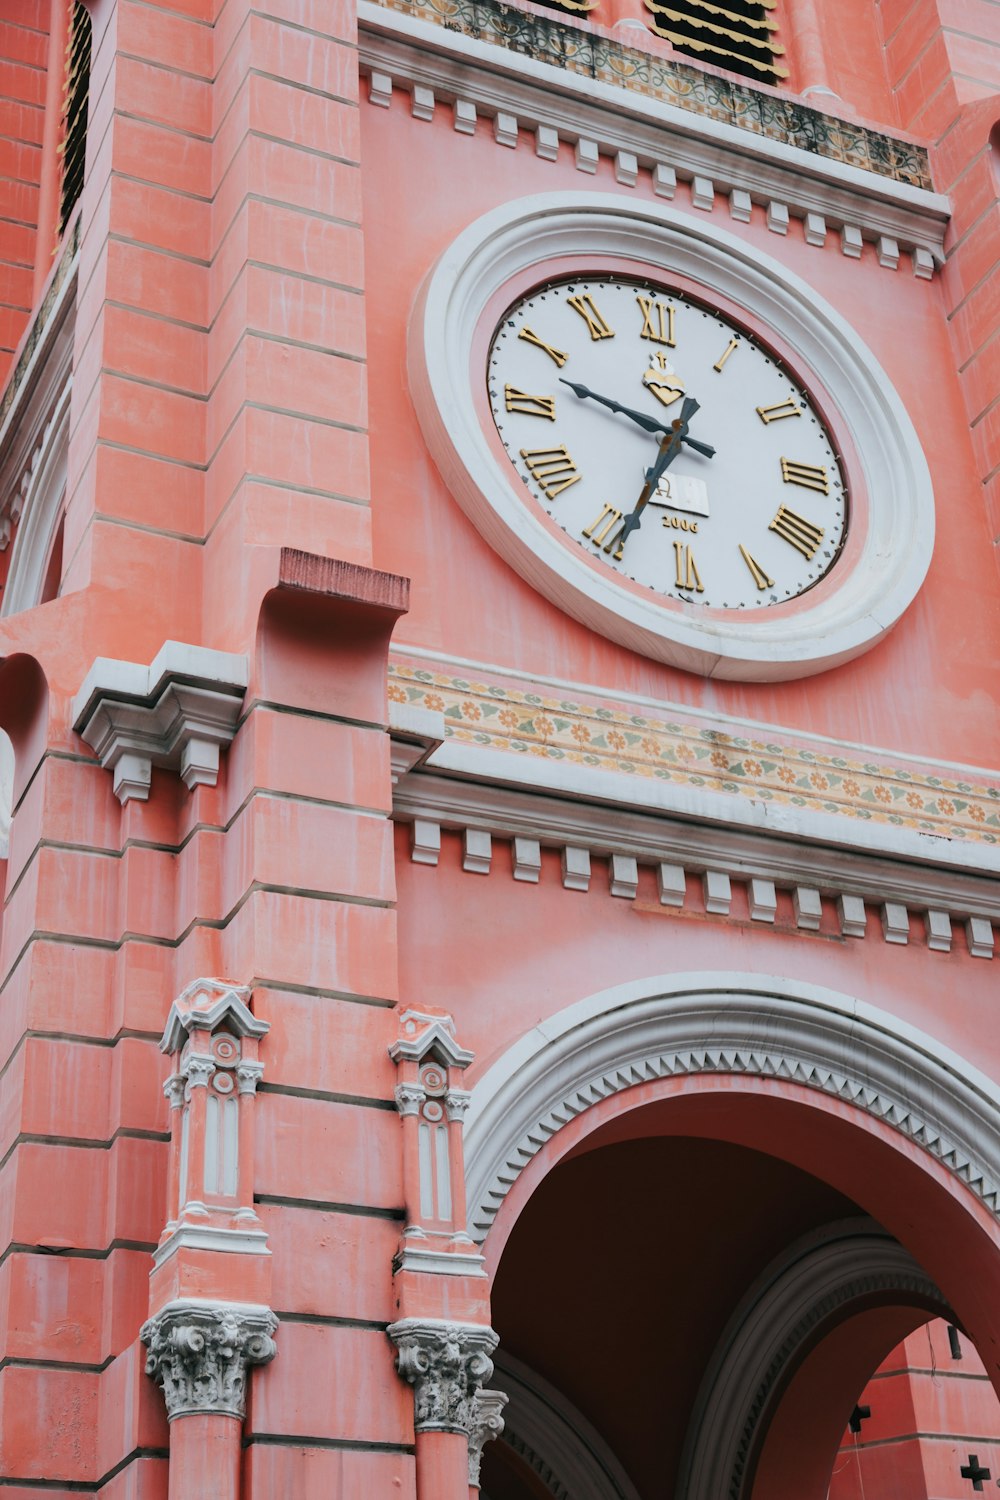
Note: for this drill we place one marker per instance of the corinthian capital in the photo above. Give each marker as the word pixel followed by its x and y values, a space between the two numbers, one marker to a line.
pixel 487 1423
pixel 200 1354
pixel 447 1365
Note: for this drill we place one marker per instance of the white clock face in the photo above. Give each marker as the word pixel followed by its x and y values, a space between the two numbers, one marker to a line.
pixel 738 504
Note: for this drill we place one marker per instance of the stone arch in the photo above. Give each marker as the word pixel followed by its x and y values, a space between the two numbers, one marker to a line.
pixel 814 1284
pixel 729 1024
pixel 42 507
pixel 555 1440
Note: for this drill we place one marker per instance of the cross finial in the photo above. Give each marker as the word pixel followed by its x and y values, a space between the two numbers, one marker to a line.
pixel 974 1470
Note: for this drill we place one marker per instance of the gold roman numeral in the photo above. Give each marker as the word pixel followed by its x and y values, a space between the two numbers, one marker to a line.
pixel 809 476
pixel 598 530
pixel 760 578
pixel 720 362
pixel 781 409
pixel 802 534
pixel 529 406
pixel 584 304
pixel 556 355
pixel 552 469
pixel 657 321
pixel 688 577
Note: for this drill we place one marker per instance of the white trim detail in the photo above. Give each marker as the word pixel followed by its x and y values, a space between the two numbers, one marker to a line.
pixel 662 137
pixel 797 1299
pixel 554 1438
pixel 177 712
pixel 846 869
pixel 870 593
pixel 728 1023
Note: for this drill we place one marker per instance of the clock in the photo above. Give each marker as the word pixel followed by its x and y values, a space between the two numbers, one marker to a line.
pixel 670 435
pixel 596 382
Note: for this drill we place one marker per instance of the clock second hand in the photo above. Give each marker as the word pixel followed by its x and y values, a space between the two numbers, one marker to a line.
pixel 669 449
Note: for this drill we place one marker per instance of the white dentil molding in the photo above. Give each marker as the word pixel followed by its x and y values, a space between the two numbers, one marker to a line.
pixel 484 79
pixel 859 602
pixel 741 1024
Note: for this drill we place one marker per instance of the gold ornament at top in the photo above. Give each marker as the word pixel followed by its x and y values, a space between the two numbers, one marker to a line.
pixel 662 379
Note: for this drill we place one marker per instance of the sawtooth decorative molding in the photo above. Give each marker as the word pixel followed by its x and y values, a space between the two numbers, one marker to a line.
pixel 487 1425
pixel 201 1353
pixel 629 106
pixel 555 1439
pixel 176 713
pixel 728 1023
pixel 810 1287
pixel 447 1365
pixel 881 572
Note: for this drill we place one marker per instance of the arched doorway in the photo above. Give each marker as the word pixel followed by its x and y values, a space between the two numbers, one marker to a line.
pixel 656 1156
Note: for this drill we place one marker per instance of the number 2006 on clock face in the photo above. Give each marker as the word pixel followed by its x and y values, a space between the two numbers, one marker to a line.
pixel 667 442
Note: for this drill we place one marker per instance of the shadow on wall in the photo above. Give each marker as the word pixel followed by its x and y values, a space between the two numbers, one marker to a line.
pixel 6 791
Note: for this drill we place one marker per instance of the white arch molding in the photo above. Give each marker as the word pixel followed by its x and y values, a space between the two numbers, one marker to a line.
pixel 41 511
pixel 554 1438
pixel 812 1284
pixel 728 1023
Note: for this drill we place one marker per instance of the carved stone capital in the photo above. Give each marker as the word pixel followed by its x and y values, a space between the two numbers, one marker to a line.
pixel 447 1365
pixel 174 1090
pixel 198 1068
pixel 200 1354
pixel 456 1102
pixel 248 1075
pixel 409 1098
pixel 487 1424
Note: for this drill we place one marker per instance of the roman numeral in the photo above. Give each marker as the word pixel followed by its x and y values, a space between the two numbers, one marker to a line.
pixel 657 321
pixel 760 578
pixel 552 469
pixel 809 476
pixel 583 303
pixel 802 534
pixel 781 409
pixel 688 577
pixel 720 362
pixel 556 355
pixel 599 529
pixel 529 406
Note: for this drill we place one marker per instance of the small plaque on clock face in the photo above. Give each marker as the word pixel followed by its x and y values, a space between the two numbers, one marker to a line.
pixel 667 442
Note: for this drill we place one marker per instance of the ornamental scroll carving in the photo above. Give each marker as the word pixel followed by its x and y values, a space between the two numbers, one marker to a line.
pixel 487 1424
pixel 447 1365
pixel 200 1355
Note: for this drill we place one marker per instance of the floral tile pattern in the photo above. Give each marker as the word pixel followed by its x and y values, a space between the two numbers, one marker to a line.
pixel 579 50
pixel 502 717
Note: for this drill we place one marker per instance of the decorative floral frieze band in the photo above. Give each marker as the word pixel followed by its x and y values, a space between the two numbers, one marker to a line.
pixel 576 50
pixel 447 1365
pixel 200 1354
pixel 687 754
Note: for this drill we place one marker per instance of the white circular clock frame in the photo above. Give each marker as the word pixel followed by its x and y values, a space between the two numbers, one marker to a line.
pixel 863 597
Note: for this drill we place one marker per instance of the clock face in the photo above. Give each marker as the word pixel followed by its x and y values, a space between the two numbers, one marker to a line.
pixel 726 492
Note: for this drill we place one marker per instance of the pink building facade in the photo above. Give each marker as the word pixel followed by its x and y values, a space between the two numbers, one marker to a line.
pixel 498 670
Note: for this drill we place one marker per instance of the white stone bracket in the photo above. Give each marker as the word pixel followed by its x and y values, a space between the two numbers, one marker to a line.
pixel 176 713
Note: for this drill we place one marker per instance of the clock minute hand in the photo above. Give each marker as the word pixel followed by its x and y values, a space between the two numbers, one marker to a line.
pixel 669 449
pixel 649 424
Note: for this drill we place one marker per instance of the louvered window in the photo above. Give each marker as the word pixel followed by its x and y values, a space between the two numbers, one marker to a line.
pixel 737 34
pixel 74 142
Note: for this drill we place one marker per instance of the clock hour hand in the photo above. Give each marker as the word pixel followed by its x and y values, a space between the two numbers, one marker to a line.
pixel 649 424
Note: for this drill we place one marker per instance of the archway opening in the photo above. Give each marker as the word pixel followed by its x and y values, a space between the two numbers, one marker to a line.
pixel 622 1286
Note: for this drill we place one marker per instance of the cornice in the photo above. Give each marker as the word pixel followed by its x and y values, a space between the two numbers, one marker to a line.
pixel 519 92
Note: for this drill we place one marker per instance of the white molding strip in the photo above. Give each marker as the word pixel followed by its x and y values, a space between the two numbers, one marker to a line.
pixel 599 119
pixel 739 1024
pixel 808 1289
pixel 555 1439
